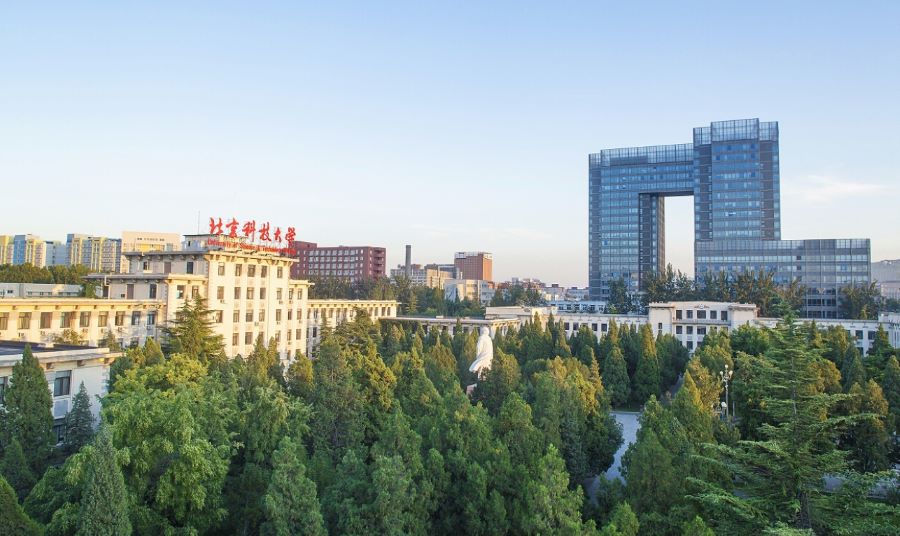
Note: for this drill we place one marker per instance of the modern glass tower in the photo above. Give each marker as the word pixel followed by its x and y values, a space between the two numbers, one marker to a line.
pixel 731 169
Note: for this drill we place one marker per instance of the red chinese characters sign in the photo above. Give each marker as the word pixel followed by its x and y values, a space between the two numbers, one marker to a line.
pixel 246 235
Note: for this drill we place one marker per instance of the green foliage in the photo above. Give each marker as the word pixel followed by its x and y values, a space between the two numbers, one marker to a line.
pixel 13 520
pixel 104 505
pixel 300 377
pixel 867 439
pixel 620 301
pixel 860 301
pixel 501 380
pixel 14 467
pixel 291 504
pixel 646 380
pixel 623 522
pixel 27 273
pixel 79 421
pixel 191 333
pixel 615 377
pixel 890 384
pixel 696 527
pixel 28 404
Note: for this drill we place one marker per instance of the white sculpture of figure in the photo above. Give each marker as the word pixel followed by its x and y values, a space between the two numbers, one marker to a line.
pixel 484 353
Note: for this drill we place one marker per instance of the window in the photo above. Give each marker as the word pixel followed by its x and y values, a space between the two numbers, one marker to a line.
pixel 4 380
pixel 66 319
pixel 120 318
pixel 237 293
pixel 290 294
pixel 62 383
pixel 84 320
pixel 659 326
pixel 145 266
pixel 315 331
pixel 24 320
pixel 262 293
pixel 103 319
pixel 277 337
pixel 236 317
pixel 235 338
pixel 278 294
pixel 724 315
pixel 195 292
pixel 263 271
pixel 677 314
pixel 189 268
pixel 712 315
pixel 280 272
pixel 290 314
pixel 678 330
pixel 298 334
pixel 221 270
pixel 871 335
pixel 238 268
pixel 135 318
pixel 690 345
pixel 690 314
pixel 249 293
pixel 251 270
pixel 59 430
pixel 151 318
pixel 701 330
pixel 278 315
pixel 152 291
pixel 859 335
pixel 220 293
pixel 248 338
pixel 46 320
pixel 690 330
pixel 179 292
pixel 262 315
pixel 4 321
pixel 218 316
pixel 249 316
pixel 701 315
pixel 289 333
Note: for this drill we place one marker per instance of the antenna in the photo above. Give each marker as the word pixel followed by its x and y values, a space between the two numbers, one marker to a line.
pixel 198 222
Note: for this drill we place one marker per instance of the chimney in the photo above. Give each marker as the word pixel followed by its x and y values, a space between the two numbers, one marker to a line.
pixel 408 260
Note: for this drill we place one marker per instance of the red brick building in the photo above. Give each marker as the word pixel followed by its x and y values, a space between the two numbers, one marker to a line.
pixel 346 262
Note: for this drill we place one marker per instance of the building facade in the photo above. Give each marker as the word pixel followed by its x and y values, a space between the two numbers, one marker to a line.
pixel 97 253
pixel 39 290
pixel 732 171
pixel 28 249
pixel 144 241
pixel 430 275
pixel 351 263
pixel 476 290
pixel 336 312
pixel 474 265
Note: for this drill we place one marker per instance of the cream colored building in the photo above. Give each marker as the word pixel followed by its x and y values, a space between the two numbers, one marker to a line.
pixel 27 249
pixel 38 290
pixel 65 369
pixel 336 312
pixel 99 254
pixel 476 290
pixel 6 249
pixel 144 241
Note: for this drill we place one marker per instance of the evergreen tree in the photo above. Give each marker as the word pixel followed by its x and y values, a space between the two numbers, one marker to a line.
pixel 623 522
pixel 688 409
pixel 291 504
pixel 696 527
pixel 191 333
pixel 153 354
pixel 553 508
pixel 104 503
pixel 615 377
pixel 499 381
pixel 853 372
pixel 79 421
pixel 13 520
pixel 300 376
pixel 28 404
pixel 868 436
pixel 890 384
pixel 14 467
pixel 109 341
pixel 646 377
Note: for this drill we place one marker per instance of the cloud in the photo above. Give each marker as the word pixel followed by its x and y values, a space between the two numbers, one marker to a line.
pixel 823 190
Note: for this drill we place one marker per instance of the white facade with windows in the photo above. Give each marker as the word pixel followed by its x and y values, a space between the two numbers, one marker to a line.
pixel 336 312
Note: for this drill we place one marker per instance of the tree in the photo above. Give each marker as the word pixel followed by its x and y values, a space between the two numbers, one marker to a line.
pixel 13 520
pixel 891 386
pixel 28 404
pixel 79 421
pixel 860 301
pixel 552 507
pixel 853 372
pixel 696 527
pixel 14 467
pixel 498 383
pixel 868 437
pixel 615 378
pixel 619 301
pixel 69 337
pixel 300 376
pixel 109 341
pixel 623 522
pixel 191 333
pixel 646 377
pixel 290 502
pixel 104 503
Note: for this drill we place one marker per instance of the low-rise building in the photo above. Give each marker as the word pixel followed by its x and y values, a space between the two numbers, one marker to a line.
pixel 144 241
pixel 39 290
pixel 336 312
pixel 66 368
pixel 476 290
pixel 351 263
pixel 430 275
pixel 466 324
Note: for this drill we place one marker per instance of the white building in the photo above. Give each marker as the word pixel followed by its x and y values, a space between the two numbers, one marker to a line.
pixel 38 290
pixel 145 241
pixel 336 312
pixel 476 290
pixel 65 368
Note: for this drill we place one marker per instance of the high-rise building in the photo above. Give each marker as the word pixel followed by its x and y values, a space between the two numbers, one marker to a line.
pixel 352 263
pixel 28 249
pixel 6 249
pixel 98 253
pixel 732 171
pixel 55 253
pixel 475 265
pixel 147 241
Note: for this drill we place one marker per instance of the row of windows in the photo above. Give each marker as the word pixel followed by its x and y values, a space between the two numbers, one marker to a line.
pixel 251 293
pixel 67 319
pixel 251 270
pixel 250 337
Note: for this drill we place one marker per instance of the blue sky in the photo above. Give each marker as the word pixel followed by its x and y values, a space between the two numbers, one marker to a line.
pixel 452 126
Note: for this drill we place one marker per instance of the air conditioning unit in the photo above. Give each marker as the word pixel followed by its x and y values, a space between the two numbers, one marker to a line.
pixel 60 408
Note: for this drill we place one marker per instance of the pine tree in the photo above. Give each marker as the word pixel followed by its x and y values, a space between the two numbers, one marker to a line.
pixel 191 333
pixel 868 437
pixel 153 354
pixel 79 421
pixel 623 522
pixel 109 341
pixel 104 502
pixel 646 377
pixel 290 504
pixel 688 409
pixel 853 371
pixel 28 403
pixel 890 384
pixel 696 527
pixel 14 467
pixel 552 507
pixel 615 377
pixel 13 520
pixel 300 376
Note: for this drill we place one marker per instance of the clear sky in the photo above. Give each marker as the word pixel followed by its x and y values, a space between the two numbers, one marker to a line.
pixel 448 126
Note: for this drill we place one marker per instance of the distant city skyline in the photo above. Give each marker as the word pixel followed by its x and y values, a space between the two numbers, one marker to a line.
pixel 450 128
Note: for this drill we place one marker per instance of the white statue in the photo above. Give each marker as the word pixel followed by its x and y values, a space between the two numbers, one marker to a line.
pixel 484 353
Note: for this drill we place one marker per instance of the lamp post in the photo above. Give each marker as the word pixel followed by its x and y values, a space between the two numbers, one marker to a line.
pixel 725 376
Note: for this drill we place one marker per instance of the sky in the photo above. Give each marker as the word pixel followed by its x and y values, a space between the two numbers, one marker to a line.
pixel 447 126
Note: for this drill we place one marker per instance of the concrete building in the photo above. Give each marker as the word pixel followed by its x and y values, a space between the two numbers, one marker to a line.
pixel 345 262
pixel 336 312
pixel 732 171
pixel 468 325
pixel 97 253
pixel 583 306
pixel 28 249
pixel 144 241
pixel 66 368
pixel 469 289
pixel 38 290
pixel 430 275
pixel 55 253
pixel 477 265
pixel 6 249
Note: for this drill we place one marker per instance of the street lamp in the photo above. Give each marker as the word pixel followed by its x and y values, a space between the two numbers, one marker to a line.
pixel 725 376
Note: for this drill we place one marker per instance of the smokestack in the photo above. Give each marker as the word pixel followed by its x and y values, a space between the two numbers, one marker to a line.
pixel 408 260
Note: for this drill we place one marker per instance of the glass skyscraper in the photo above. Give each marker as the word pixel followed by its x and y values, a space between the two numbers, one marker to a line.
pixel 731 169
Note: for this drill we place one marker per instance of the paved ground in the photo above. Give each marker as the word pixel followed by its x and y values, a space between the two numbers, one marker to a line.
pixel 630 425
